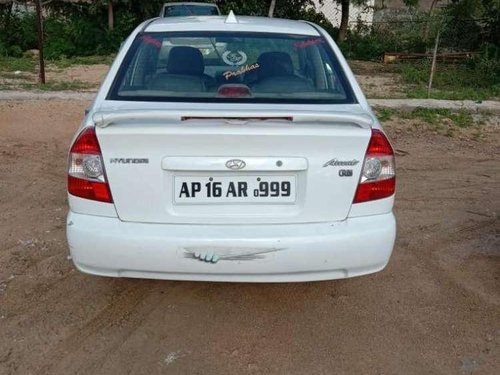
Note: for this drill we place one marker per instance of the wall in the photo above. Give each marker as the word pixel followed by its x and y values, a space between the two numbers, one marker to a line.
pixel 332 11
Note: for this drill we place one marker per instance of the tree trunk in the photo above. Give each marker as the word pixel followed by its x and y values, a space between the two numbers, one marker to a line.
pixel 111 18
pixel 344 20
pixel 39 27
pixel 271 8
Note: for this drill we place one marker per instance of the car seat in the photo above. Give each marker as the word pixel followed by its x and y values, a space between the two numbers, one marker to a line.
pixel 185 72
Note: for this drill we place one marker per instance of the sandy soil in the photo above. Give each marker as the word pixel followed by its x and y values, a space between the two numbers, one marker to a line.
pixel 434 310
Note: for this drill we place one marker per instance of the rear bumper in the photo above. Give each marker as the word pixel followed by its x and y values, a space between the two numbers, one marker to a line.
pixel 242 253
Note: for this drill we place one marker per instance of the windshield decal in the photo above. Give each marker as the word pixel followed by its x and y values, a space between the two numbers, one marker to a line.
pixel 150 40
pixel 244 69
pixel 308 43
pixel 237 58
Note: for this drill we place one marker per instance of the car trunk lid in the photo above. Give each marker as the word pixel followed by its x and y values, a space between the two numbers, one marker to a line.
pixel 246 167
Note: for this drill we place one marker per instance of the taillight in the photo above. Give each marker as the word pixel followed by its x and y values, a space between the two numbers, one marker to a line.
pixel 86 175
pixel 378 177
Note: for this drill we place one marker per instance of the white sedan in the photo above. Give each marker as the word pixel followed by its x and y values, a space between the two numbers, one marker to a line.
pixel 256 159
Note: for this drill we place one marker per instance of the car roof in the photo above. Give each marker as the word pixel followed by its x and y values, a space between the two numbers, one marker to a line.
pixel 243 24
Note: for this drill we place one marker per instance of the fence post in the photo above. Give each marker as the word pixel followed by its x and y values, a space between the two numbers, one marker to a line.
pixel 433 66
pixel 39 26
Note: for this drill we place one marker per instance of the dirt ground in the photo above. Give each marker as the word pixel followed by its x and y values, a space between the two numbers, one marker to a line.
pixel 379 80
pixel 434 310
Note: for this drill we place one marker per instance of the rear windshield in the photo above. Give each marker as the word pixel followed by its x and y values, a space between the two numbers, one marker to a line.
pixel 183 10
pixel 225 67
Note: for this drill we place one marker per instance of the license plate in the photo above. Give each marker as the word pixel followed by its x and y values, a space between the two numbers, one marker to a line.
pixel 234 189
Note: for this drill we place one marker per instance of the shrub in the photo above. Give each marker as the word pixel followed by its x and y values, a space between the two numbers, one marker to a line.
pixel 69 30
pixel 485 66
pixel 17 33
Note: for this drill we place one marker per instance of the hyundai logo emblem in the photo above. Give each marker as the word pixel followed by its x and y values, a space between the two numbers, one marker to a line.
pixel 235 164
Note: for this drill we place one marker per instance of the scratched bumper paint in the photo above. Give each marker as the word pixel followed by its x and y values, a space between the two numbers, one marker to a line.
pixel 214 254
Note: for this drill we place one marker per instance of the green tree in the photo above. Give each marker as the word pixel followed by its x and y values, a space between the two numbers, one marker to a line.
pixel 473 23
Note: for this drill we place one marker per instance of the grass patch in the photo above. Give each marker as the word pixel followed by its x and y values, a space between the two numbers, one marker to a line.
pixel 451 81
pixel 385 114
pixel 11 64
pixel 58 86
pixel 66 62
pixel 12 75
pixel 432 116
